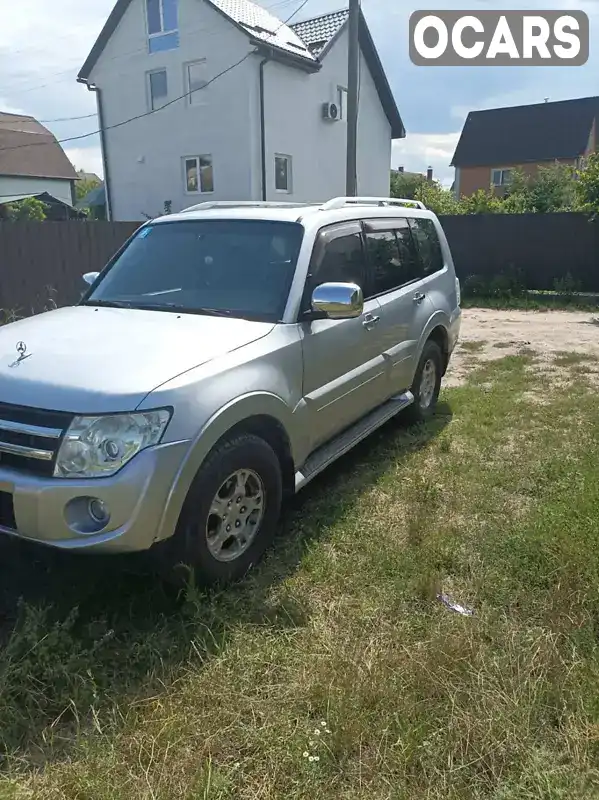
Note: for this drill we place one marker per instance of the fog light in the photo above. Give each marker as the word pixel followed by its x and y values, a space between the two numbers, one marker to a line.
pixel 98 511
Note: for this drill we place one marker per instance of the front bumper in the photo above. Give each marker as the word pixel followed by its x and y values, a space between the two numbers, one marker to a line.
pixel 137 498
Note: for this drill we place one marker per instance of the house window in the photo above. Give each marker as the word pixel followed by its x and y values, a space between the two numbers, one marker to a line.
pixel 500 177
pixel 195 76
pixel 283 173
pixel 158 88
pixel 163 27
pixel 342 101
pixel 199 176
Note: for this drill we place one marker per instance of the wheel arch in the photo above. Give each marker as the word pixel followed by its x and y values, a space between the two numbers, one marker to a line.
pixel 261 414
pixel 440 336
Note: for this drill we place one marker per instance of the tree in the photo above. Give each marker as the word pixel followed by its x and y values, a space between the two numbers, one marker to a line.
pixel 30 209
pixel 552 189
pixel 481 202
pixel 587 186
pixel 406 184
pixel 438 199
pixel 85 185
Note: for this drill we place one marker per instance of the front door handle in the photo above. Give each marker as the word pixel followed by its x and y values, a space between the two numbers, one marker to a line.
pixel 418 297
pixel 369 321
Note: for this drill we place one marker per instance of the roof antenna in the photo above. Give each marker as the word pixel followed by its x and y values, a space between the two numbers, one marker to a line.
pixel 546 99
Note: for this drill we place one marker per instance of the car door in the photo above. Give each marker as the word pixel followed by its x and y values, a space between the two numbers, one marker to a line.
pixel 397 283
pixel 344 369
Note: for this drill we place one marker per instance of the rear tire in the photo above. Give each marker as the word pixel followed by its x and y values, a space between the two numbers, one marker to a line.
pixel 231 512
pixel 427 384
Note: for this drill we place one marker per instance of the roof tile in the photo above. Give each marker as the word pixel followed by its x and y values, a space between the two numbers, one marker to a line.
pixel 29 149
pixel 524 134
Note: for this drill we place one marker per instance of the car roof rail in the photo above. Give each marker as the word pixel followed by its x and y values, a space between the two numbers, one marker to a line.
pixel 341 202
pixel 242 204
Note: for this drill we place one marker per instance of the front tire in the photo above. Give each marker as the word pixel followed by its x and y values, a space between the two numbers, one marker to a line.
pixel 427 384
pixel 231 512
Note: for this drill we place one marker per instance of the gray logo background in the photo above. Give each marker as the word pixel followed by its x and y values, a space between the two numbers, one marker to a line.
pixel 490 19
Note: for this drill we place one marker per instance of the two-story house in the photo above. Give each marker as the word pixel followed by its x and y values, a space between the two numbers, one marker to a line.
pixel 220 100
pixel 497 141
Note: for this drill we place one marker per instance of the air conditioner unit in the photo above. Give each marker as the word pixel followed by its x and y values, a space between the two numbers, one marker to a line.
pixel 330 112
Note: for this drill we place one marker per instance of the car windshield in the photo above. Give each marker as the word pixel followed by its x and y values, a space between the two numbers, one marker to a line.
pixel 236 268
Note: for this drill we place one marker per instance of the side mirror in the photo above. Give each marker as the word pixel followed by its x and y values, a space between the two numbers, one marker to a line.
pixel 338 300
pixel 90 277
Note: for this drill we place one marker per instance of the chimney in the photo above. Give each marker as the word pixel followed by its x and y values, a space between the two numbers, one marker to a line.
pixel 400 169
pixel 429 174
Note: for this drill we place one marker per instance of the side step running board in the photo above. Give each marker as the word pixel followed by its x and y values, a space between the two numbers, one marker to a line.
pixel 341 444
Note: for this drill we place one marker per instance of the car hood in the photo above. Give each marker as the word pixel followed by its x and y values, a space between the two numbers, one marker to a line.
pixel 98 360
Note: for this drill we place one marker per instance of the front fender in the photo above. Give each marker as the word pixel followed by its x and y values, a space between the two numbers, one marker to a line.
pixel 241 408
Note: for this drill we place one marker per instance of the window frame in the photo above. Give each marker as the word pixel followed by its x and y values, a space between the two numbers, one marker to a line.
pixel 289 159
pixel 199 190
pixel 162 33
pixel 385 225
pixel 324 235
pixel 149 74
pixel 502 171
pixel 187 83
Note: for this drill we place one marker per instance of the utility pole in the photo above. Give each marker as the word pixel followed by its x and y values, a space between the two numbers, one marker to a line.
pixel 353 67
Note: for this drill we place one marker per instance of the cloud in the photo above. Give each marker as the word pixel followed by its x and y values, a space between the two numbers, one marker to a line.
pixel 39 65
pixel 418 151
pixel 88 159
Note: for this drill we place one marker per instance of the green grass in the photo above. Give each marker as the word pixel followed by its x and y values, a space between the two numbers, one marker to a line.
pixel 472 346
pixel 533 302
pixel 494 502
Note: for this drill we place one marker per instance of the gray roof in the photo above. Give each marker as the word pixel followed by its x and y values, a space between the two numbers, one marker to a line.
pixel 29 149
pixel 303 44
pixel 262 28
pixel 95 197
pixel 258 23
pixel 319 31
pixel 525 134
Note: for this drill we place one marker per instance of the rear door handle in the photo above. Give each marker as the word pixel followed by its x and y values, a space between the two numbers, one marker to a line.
pixel 419 297
pixel 369 321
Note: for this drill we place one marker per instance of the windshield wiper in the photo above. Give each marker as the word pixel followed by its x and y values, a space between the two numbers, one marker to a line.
pixel 110 303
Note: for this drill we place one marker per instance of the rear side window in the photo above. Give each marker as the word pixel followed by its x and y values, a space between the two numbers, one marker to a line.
pixel 340 259
pixel 393 257
pixel 428 244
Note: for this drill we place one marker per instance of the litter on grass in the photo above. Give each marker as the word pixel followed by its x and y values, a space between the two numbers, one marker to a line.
pixel 448 602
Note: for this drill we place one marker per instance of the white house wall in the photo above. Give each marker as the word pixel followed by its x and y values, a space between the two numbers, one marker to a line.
pixel 294 126
pixel 145 157
pixel 19 186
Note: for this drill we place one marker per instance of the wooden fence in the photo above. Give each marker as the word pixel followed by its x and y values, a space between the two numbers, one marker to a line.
pixel 41 263
pixel 541 248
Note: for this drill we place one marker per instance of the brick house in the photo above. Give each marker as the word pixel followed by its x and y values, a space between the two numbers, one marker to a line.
pixel 498 140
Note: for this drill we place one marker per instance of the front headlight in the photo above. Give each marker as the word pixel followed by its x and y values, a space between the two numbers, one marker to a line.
pixel 99 446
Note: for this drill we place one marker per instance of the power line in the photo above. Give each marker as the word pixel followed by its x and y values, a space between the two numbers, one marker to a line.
pixel 68 73
pixel 154 110
pixel 66 119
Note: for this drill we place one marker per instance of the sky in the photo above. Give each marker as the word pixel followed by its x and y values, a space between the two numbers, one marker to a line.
pixel 39 63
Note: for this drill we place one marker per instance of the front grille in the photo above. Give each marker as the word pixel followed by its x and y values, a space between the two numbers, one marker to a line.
pixel 30 438
pixel 7 512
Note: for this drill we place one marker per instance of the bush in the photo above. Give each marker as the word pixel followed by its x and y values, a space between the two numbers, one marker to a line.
pixel 504 285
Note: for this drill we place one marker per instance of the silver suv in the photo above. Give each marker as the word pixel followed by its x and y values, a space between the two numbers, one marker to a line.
pixel 224 357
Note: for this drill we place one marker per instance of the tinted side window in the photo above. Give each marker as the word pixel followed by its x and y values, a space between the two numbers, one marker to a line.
pixel 429 246
pixel 341 260
pixel 393 257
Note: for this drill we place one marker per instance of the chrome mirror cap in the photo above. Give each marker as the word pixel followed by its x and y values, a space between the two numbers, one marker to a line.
pixel 338 300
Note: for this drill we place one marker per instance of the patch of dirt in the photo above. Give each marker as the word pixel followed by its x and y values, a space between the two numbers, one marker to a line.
pixel 489 334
